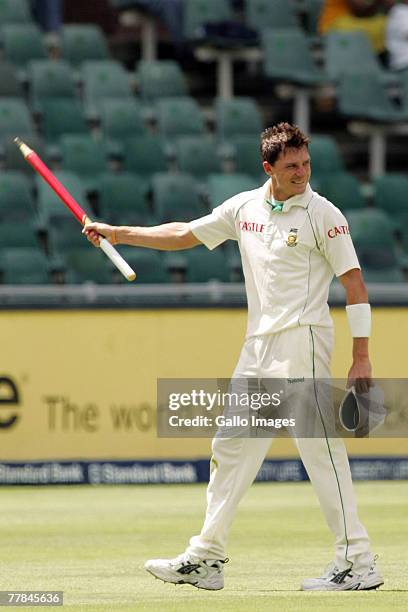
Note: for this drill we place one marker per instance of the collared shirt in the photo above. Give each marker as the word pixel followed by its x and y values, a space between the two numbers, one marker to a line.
pixel 288 257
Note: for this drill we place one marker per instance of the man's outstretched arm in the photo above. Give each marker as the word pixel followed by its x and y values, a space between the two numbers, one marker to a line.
pixel 167 237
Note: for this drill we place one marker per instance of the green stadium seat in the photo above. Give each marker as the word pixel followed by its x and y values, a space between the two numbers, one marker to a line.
pixel 10 86
pixel 351 51
pixel 179 117
pixel 62 117
pixel 14 234
pixel 175 197
pixel 16 202
pixel 392 274
pixel 49 80
pixel 197 156
pixel 197 13
pixel 362 94
pixel 83 42
pixel 221 187
pixel 204 265
pixel 237 117
pixel 144 155
pixel 13 160
pixel 391 193
pixel 311 10
pixel 87 264
pixel 49 205
pixel 342 189
pixel 247 156
pixel 372 233
pixel 23 266
pixel 15 118
pixel 122 200
pixel 325 156
pixel 104 79
pixel 62 238
pixel 14 11
pixel 22 43
pixel 160 79
pixel 147 263
pixel 261 14
pixel 121 119
pixel 85 157
pixel 287 57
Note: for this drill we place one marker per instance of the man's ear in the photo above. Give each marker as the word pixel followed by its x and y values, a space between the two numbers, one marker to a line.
pixel 267 167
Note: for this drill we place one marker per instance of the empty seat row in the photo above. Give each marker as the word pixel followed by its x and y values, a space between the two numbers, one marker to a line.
pixel 22 43
pixel 29 265
pixel 128 198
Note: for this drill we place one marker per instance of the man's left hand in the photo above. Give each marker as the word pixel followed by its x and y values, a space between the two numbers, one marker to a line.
pixel 360 375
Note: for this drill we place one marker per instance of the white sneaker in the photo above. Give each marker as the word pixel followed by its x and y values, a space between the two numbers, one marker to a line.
pixel 207 574
pixel 334 579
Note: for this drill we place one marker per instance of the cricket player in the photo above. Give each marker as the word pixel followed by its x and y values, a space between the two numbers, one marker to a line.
pixel 292 241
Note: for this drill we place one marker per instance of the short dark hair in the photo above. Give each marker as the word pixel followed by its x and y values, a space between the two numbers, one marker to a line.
pixel 277 139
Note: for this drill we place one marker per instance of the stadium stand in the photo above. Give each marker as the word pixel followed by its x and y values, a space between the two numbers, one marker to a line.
pixel 237 117
pixel 15 235
pixel 180 116
pixel 372 233
pixel 103 79
pixel 220 187
pixel 144 156
pixel 391 193
pixel 288 58
pixel 13 160
pixel 149 265
pixel 15 118
pixel 343 189
pixel 325 155
pixel 14 11
pixel 197 156
pixel 201 13
pixel 85 157
pixel 204 265
pixel 23 266
pixel 85 264
pixel 48 80
pixel 16 202
pixel 160 79
pixel 151 151
pixel 351 51
pixel 262 14
pixel 122 200
pixel 83 42
pixel 10 86
pixel 247 156
pixel 22 43
pixel 62 117
pixel 176 197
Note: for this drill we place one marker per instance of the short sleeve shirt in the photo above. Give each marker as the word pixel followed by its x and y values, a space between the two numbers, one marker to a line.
pixel 289 258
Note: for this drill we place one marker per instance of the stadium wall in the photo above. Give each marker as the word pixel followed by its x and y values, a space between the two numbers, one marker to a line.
pixel 78 393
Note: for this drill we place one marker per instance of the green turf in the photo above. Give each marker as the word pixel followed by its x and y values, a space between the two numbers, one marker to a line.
pixel 92 543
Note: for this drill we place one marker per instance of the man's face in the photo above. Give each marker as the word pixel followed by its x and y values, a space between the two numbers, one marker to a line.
pixel 290 173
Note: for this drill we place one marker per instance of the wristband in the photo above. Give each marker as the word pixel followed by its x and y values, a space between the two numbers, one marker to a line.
pixel 359 318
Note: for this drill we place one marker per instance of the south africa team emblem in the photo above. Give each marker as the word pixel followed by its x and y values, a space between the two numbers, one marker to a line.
pixel 292 237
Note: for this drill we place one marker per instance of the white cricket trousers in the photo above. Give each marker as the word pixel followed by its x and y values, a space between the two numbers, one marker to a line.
pixel 303 351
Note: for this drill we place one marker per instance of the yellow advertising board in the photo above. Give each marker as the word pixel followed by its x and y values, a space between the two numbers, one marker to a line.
pixel 82 384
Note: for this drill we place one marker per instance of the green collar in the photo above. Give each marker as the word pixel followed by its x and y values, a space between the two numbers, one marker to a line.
pixel 275 206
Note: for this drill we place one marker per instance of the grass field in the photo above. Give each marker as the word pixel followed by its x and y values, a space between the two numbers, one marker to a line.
pixel 92 543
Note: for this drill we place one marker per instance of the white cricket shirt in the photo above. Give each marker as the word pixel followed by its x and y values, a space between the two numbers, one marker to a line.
pixel 288 258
